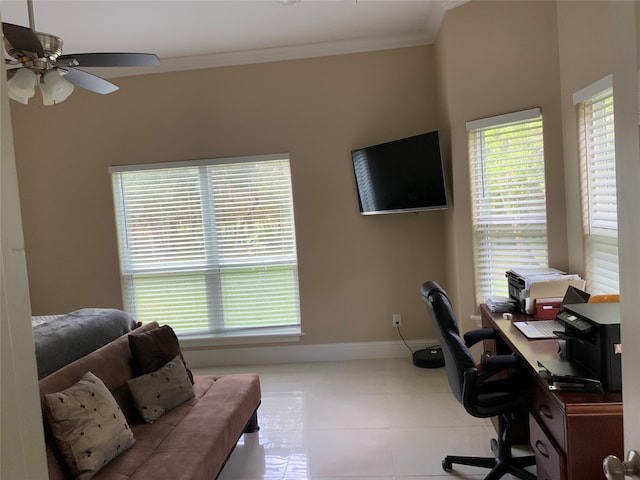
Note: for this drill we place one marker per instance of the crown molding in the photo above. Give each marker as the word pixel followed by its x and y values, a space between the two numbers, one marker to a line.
pixel 265 55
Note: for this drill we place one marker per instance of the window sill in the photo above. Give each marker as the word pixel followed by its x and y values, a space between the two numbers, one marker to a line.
pixel 272 335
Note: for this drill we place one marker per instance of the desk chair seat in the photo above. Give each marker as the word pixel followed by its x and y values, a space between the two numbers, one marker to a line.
pixel 476 388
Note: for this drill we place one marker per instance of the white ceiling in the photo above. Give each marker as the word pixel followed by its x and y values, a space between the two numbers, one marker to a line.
pixel 188 34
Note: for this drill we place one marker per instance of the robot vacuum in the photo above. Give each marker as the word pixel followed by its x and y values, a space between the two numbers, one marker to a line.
pixel 430 357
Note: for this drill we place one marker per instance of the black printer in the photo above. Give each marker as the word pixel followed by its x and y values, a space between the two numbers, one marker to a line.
pixel 592 333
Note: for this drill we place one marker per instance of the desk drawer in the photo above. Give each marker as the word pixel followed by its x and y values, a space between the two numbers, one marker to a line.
pixel 550 462
pixel 549 414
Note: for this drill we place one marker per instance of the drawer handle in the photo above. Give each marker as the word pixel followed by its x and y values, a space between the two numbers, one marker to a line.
pixel 542 449
pixel 545 412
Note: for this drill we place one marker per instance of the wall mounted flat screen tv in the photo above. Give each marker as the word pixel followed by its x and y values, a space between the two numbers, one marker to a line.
pixel 404 175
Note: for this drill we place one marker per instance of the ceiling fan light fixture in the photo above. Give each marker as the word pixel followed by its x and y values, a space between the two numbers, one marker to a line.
pixel 39 59
pixel 22 86
pixel 54 88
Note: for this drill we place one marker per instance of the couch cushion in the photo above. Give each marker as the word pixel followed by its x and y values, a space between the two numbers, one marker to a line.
pixel 154 349
pixel 158 392
pixel 201 433
pixel 149 435
pixel 204 438
pixel 88 425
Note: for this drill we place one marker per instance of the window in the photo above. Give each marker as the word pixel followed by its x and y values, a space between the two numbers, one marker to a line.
pixel 598 185
pixel 209 246
pixel 506 157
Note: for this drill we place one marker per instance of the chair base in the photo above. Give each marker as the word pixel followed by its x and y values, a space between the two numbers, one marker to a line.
pixel 502 463
pixel 499 468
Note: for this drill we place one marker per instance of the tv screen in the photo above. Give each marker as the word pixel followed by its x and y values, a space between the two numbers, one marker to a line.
pixel 404 175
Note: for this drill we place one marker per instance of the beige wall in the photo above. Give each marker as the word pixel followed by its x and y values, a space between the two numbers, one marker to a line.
pixel 585 51
pixel 494 58
pixel 490 57
pixel 354 271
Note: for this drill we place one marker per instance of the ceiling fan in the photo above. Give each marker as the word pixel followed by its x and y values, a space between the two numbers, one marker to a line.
pixel 37 60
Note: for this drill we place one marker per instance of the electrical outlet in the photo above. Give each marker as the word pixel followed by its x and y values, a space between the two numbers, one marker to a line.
pixel 396 320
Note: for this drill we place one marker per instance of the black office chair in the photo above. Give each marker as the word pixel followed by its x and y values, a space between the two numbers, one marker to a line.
pixel 474 388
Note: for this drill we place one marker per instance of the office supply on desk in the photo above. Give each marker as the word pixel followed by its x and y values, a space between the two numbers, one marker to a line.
pixel 563 375
pixel 592 333
pixel 574 295
pixel 480 396
pixel 547 308
pixel 519 281
pixel 537 329
pixel 552 288
pixel 501 304
pixel 570 432
pixel 604 298
pixel 525 286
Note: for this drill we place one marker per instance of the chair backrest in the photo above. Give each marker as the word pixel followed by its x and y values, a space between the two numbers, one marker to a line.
pixel 457 357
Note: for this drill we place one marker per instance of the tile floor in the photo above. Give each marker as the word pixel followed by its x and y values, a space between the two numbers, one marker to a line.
pixel 358 420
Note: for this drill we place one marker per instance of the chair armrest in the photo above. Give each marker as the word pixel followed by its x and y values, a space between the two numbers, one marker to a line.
pixel 501 362
pixel 496 364
pixel 475 336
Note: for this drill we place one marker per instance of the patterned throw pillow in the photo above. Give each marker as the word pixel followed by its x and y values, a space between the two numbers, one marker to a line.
pixel 88 425
pixel 158 392
pixel 154 349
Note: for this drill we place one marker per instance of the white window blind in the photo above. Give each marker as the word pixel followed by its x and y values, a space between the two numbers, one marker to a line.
pixel 209 246
pixel 506 157
pixel 598 184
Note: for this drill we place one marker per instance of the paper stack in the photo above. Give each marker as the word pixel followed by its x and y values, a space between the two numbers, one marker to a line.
pixel 527 285
pixel 502 304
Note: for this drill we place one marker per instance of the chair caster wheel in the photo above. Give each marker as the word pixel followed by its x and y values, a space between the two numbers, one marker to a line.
pixel 494 446
pixel 447 466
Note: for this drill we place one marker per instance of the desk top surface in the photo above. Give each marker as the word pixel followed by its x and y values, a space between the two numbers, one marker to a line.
pixel 539 350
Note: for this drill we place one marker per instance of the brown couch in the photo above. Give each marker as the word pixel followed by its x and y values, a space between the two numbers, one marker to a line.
pixel 192 441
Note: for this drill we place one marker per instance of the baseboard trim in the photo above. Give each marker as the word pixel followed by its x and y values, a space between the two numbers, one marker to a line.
pixel 302 353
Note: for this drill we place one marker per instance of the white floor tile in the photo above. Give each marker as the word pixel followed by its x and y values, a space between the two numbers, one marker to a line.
pixel 282 411
pixel 348 452
pixel 263 455
pixel 360 420
pixel 420 451
pixel 353 411
pixel 429 410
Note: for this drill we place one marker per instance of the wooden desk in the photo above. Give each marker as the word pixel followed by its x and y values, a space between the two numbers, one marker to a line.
pixel 571 432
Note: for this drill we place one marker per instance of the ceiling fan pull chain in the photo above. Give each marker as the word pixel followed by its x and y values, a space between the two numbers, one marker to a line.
pixel 32 20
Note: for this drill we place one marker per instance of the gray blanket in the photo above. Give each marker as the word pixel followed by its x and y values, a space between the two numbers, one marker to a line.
pixel 66 338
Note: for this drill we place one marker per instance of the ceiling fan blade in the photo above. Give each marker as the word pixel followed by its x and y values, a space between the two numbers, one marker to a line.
pixel 22 39
pixel 83 79
pixel 11 73
pixel 113 59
